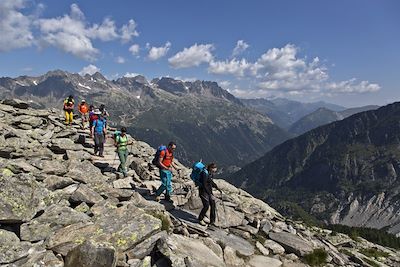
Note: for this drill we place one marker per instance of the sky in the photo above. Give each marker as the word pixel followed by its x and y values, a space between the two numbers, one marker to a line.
pixel 344 52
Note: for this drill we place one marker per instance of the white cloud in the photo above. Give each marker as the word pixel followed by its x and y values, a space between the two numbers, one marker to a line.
pixel 234 67
pixel 192 56
pixel 73 34
pixel 107 31
pixel 158 52
pixel 120 60
pixel 128 31
pixel 186 79
pixel 351 86
pixel 134 49
pixel 90 69
pixel 131 74
pixel 283 72
pixel 224 84
pixel 15 27
pixel 240 47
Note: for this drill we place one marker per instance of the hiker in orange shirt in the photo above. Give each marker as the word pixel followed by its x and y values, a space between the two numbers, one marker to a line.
pixel 84 111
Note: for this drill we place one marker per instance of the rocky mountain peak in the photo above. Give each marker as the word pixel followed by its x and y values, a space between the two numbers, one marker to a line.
pixel 99 76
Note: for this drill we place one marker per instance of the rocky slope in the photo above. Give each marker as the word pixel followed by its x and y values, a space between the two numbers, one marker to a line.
pixel 162 110
pixel 345 172
pixel 62 206
pixel 324 116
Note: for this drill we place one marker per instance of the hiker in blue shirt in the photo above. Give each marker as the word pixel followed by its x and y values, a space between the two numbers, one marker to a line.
pixel 99 131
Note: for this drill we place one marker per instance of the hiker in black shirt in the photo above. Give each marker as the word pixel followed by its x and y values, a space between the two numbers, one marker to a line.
pixel 206 194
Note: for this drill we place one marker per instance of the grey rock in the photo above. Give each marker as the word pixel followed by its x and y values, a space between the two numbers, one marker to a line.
pixel 144 248
pixel 231 259
pixel 91 254
pixel 241 245
pixel 16 103
pixel 11 249
pixel 123 227
pixel 267 227
pixel 274 247
pixel 85 172
pixel 178 248
pixel 262 249
pixel 20 166
pixel 262 261
pixel 39 259
pixel 292 243
pixel 61 145
pixel 52 167
pixel 125 183
pixel 21 197
pixel 86 194
pixel 54 218
pixel 53 182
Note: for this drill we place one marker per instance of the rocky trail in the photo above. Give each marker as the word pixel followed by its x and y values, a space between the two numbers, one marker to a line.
pixel 60 205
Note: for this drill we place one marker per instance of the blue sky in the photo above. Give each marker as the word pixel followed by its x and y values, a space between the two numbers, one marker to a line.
pixel 344 52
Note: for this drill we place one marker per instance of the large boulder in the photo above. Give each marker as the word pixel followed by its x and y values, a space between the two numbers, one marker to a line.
pixel 16 103
pixel 242 246
pixel 54 218
pixel 40 258
pixel 123 227
pixel 21 197
pixel 92 254
pixel 180 250
pixel 85 172
pixel 292 243
pixel 85 194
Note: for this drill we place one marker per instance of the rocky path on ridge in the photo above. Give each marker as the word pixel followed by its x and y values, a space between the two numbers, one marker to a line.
pixel 60 205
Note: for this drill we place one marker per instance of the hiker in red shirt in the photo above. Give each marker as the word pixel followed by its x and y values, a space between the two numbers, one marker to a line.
pixel 165 164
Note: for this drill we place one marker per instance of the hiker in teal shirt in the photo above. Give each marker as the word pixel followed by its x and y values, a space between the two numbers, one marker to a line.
pixel 121 142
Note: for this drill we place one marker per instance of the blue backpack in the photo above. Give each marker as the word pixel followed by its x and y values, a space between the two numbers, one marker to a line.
pixel 197 169
pixel 156 158
pixel 99 125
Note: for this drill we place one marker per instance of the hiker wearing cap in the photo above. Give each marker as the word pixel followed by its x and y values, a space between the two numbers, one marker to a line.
pixel 121 142
pixel 69 109
pixel 165 164
pixel 83 109
pixel 98 132
pixel 206 194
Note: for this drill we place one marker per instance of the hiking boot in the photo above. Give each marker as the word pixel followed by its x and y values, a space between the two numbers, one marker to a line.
pixel 203 223
pixel 158 199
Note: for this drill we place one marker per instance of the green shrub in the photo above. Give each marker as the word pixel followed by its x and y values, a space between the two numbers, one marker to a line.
pixel 378 236
pixel 317 257
pixel 374 253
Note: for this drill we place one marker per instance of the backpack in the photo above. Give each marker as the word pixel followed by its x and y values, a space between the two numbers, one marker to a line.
pixel 156 158
pixel 99 124
pixel 116 134
pixel 197 169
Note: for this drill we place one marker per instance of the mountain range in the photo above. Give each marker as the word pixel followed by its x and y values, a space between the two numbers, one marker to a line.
pixel 206 121
pixel 324 116
pixel 345 172
pixel 285 112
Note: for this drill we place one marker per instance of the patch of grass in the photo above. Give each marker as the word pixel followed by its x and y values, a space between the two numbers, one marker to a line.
pixel 317 257
pixel 259 238
pixel 165 221
pixel 374 253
